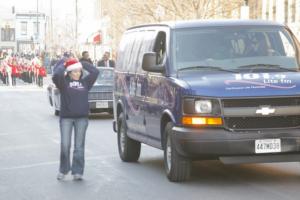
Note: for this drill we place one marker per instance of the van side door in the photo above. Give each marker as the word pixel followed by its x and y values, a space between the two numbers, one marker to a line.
pixel 136 81
pixel 125 80
pixel 133 102
pixel 139 85
pixel 154 99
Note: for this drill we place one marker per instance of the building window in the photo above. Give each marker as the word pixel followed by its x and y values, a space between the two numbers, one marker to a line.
pixel 7 34
pixel 24 28
pixel 36 28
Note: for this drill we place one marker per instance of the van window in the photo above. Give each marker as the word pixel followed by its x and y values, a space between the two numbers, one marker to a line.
pixel 160 47
pixel 121 51
pixel 287 46
pixel 231 47
pixel 132 48
pixel 138 39
pixel 146 46
pixel 125 51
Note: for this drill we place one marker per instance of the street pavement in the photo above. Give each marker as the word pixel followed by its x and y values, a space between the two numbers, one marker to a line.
pixel 29 153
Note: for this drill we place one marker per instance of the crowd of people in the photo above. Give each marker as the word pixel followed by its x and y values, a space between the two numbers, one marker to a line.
pixel 105 61
pixel 32 68
pixel 27 68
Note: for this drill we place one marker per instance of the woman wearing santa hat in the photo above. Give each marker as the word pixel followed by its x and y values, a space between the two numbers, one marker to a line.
pixel 74 112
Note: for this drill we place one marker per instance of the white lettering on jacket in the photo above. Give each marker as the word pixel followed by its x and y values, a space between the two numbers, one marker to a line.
pixel 76 85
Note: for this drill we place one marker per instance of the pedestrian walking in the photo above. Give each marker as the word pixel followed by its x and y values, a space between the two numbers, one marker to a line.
pixel 74 112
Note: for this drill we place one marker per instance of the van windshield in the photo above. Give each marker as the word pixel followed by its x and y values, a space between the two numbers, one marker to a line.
pixel 234 48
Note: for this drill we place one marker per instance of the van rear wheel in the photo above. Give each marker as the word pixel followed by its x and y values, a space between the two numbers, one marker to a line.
pixel 177 167
pixel 129 149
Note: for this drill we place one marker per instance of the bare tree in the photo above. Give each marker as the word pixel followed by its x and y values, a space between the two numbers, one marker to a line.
pixel 64 37
pixel 126 13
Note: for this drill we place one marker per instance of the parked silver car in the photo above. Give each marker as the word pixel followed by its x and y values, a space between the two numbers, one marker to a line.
pixel 100 96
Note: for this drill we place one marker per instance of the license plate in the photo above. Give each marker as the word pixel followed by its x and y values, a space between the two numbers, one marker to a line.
pixel 101 104
pixel 268 146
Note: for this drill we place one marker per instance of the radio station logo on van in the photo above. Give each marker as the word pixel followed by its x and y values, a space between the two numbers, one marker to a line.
pixel 259 80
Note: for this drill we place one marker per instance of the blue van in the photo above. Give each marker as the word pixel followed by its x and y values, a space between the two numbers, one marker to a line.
pixel 225 89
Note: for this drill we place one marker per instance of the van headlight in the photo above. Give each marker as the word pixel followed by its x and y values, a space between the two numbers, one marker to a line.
pixel 203 106
pixel 194 105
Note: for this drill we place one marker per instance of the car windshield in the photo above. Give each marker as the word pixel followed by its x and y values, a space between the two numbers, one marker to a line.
pixel 105 77
pixel 230 48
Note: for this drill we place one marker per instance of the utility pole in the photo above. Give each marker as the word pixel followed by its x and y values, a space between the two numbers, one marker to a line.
pixel 76 25
pixel 51 27
pixel 37 23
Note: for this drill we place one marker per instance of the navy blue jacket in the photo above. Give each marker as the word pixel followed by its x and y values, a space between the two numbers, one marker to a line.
pixel 74 94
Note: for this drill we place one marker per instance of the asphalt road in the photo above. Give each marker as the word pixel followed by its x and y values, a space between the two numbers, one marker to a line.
pixel 29 153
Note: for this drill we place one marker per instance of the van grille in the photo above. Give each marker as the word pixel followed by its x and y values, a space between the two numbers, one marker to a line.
pixel 292 101
pixel 261 122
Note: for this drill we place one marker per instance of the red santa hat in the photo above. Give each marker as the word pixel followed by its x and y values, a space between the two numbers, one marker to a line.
pixel 72 64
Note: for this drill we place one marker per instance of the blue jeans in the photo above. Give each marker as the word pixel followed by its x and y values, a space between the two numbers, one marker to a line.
pixel 66 126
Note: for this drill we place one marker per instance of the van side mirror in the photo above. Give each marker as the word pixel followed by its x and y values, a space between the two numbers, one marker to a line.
pixel 149 63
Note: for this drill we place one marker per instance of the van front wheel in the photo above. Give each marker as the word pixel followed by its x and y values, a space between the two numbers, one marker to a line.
pixel 129 149
pixel 177 167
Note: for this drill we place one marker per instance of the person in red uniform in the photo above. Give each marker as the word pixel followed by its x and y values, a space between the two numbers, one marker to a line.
pixel 41 75
pixel 14 71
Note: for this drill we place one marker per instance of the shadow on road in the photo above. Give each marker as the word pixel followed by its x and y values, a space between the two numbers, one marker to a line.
pixel 217 173
pixel 156 164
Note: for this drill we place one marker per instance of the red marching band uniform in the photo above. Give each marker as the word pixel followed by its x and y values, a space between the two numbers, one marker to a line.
pixel 42 71
pixel 15 70
pixel 24 69
pixel 40 74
